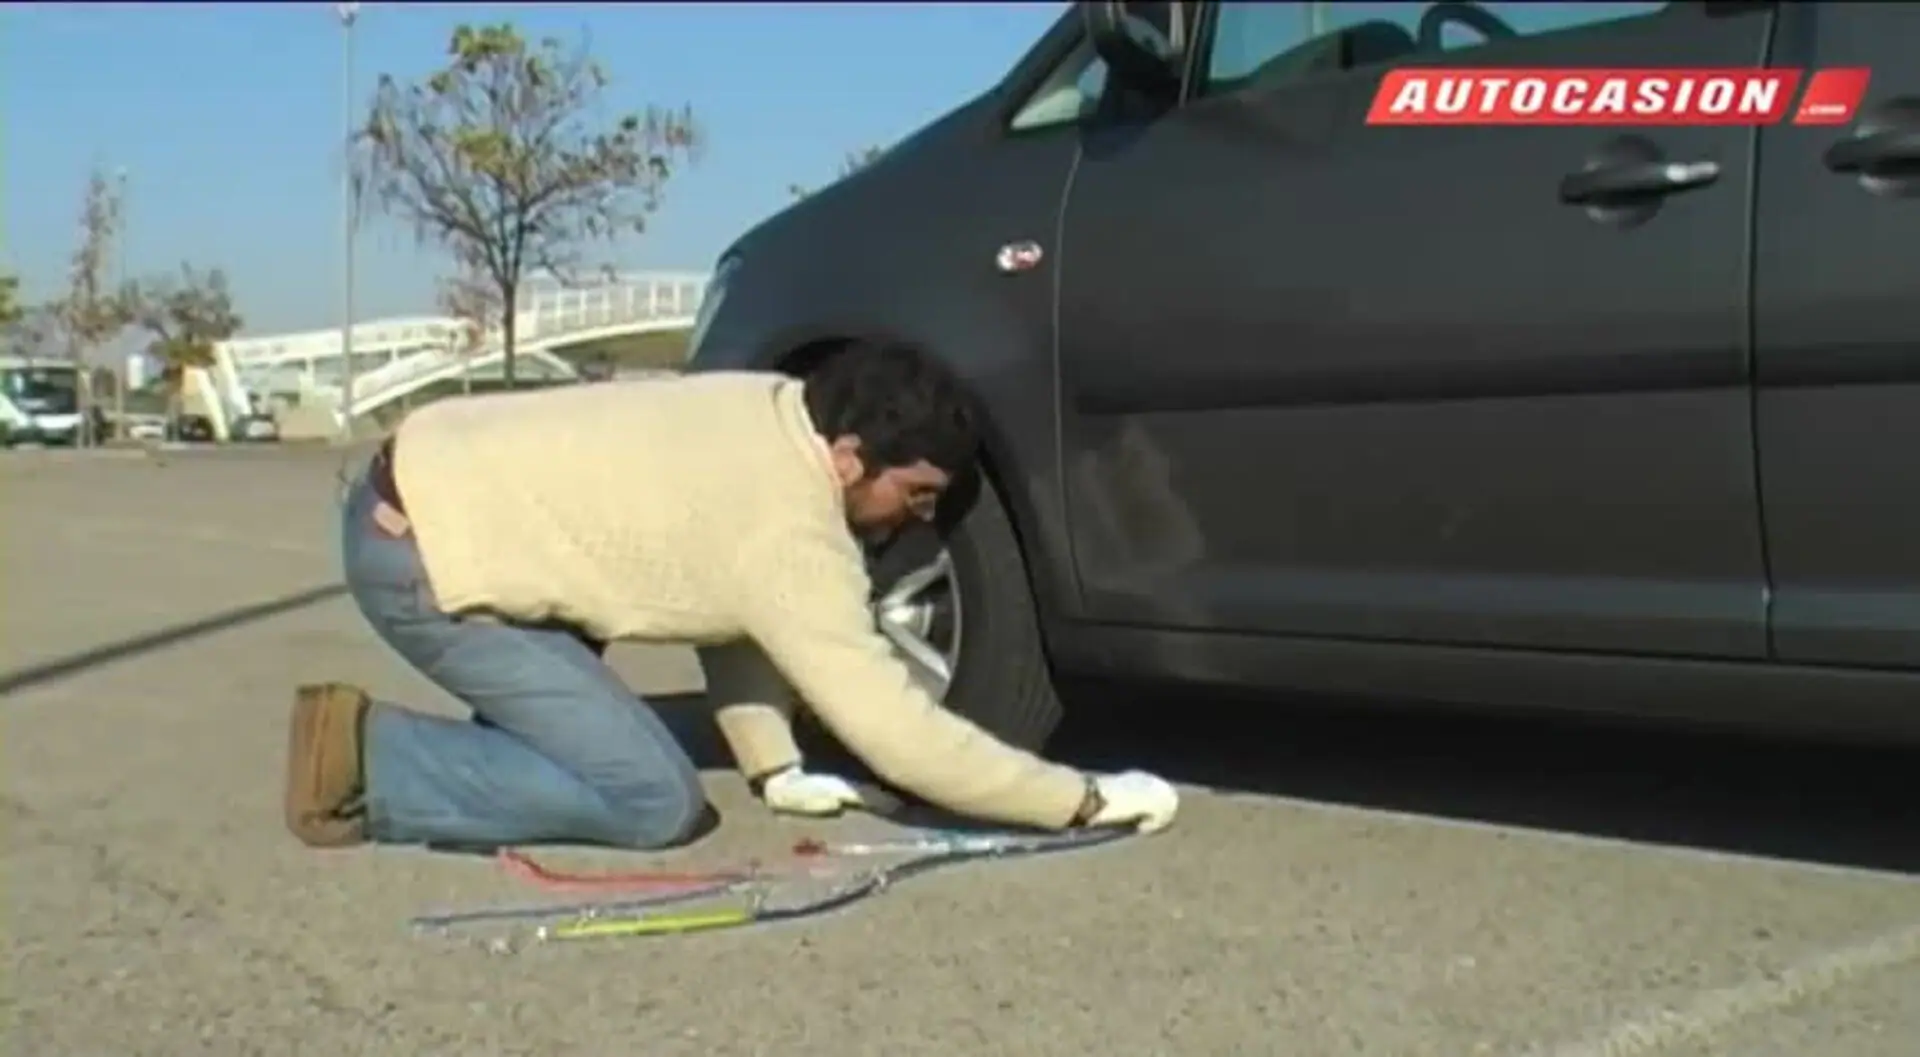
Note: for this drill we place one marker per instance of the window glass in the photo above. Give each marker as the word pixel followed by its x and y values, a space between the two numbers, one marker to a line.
pixel 47 390
pixel 1092 82
pixel 1269 42
pixel 1069 94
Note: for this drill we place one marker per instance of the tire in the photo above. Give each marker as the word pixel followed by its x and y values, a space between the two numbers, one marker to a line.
pixel 1002 681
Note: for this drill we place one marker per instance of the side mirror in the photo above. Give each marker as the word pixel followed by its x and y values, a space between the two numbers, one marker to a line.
pixel 1137 54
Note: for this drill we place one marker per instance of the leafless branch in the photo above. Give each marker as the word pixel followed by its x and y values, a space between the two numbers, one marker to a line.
pixel 471 296
pixel 497 157
pixel 11 310
pixel 185 315
pixel 852 162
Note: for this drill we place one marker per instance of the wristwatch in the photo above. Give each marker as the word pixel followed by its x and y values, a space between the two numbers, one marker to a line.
pixel 1091 804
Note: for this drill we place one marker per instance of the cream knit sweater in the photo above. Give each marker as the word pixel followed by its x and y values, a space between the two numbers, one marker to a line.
pixel 699 510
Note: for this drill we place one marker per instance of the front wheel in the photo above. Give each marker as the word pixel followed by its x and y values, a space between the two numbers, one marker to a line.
pixel 960 612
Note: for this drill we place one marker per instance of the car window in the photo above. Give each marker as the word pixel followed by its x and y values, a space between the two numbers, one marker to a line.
pixel 1266 43
pixel 1069 94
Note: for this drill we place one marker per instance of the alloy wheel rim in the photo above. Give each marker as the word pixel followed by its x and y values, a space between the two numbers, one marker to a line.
pixel 920 615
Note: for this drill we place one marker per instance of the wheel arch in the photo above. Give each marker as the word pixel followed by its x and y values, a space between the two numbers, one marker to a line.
pixel 1000 467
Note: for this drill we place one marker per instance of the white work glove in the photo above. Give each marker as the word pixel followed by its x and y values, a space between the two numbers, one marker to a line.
pixel 1137 798
pixel 795 792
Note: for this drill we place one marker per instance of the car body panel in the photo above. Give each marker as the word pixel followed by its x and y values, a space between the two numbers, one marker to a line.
pixel 1509 463
pixel 1837 323
pixel 1381 383
pixel 809 276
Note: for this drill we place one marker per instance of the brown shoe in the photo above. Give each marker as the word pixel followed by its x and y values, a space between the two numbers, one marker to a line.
pixel 325 780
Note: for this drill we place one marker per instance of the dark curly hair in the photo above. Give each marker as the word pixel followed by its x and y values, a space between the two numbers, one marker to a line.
pixel 903 404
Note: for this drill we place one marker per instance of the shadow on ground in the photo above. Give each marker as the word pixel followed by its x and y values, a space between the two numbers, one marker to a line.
pixel 1837 805
pixel 59 668
pixel 1846 806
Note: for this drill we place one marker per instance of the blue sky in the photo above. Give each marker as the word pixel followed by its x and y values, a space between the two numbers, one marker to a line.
pixel 227 119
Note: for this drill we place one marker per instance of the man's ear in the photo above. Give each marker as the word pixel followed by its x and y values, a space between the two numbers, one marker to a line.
pixel 848 465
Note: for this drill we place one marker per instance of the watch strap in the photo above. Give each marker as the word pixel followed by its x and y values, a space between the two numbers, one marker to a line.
pixel 1091 804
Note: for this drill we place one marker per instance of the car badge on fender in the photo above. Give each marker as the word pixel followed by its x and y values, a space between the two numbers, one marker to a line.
pixel 1018 257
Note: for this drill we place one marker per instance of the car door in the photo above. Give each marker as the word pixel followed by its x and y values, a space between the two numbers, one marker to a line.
pixel 1328 379
pixel 1837 332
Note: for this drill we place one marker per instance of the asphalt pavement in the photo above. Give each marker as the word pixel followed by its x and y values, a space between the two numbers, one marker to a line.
pixel 1341 881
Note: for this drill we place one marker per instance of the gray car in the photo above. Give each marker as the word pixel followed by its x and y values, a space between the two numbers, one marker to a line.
pixel 1607 420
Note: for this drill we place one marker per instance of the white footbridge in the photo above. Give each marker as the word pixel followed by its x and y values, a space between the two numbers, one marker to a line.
pixel 395 358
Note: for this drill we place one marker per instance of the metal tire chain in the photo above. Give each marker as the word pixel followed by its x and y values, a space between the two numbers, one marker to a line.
pixel 689 887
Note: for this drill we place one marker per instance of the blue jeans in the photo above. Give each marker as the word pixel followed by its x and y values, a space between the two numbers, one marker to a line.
pixel 558 750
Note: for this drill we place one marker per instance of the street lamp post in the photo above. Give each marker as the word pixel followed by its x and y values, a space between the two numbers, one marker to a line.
pixel 120 288
pixel 349 11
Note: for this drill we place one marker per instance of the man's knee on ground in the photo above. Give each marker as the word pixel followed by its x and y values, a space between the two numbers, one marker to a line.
pixel 657 811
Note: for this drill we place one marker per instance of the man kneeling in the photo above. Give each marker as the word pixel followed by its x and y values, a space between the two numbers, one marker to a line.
pixel 497 543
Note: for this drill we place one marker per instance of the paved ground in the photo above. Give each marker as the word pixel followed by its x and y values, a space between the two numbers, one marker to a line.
pixel 1342 885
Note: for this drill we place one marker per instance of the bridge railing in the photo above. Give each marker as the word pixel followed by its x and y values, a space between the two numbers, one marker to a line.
pixel 557 313
pixel 398 373
pixel 551 315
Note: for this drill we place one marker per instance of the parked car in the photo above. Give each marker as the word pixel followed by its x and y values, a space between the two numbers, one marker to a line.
pixel 46 431
pixel 43 402
pixel 1278 400
pixel 146 427
pixel 256 428
pixel 195 429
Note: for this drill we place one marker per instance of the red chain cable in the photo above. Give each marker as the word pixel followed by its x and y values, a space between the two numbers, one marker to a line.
pixel 524 867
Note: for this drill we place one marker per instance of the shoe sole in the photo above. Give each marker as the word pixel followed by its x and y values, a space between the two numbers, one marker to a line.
pixel 323 765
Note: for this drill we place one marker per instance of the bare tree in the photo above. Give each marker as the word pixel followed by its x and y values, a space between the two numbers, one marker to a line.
pixel 498 156
pixel 38 331
pixel 185 315
pixel 11 310
pixel 93 312
pixel 472 297
pixel 853 162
